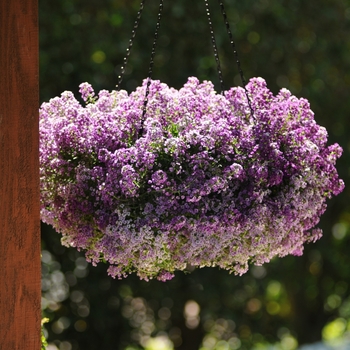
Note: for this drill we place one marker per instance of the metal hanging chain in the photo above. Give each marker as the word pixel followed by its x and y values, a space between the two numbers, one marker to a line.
pixel 236 55
pixel 151 64
pixel 215 48
pixel 131 42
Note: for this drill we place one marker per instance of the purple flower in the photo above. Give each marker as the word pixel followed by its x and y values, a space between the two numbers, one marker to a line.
pixel 87 92
pixel 159 178
pixel 206 184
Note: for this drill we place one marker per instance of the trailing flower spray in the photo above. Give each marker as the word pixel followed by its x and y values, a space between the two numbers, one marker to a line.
pixel 207 183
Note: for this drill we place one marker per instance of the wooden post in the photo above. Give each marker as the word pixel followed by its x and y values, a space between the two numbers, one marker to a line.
pixel 20 311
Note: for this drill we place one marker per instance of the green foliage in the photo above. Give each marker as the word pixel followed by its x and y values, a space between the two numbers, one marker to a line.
pixel 299 45
pixel 43 336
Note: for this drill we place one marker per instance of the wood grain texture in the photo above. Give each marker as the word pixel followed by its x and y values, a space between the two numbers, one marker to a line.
pixel 20 311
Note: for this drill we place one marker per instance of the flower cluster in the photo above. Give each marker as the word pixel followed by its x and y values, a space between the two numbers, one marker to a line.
pixel 197 180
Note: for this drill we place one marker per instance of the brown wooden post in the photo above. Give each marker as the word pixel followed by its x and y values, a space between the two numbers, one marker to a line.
pixel 20 311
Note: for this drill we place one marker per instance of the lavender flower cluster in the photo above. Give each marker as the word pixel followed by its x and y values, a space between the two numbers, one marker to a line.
pixel 200 181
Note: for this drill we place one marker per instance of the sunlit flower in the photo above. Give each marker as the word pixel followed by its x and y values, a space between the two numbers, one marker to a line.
pixel 207 183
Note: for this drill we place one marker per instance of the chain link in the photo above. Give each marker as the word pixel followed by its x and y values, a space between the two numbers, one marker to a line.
pixel 131 42
pixel 215 48
pixel 228 29
pixel 151 64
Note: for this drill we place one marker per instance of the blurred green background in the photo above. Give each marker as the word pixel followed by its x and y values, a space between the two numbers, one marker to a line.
pixel 301 45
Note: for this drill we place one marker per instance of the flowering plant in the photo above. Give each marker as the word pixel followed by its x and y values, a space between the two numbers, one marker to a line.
pixel 200 181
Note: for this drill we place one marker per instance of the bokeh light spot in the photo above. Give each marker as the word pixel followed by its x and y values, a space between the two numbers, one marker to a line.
pixel 98 57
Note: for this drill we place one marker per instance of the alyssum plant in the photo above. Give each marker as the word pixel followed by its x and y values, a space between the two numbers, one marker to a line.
pixel 200 180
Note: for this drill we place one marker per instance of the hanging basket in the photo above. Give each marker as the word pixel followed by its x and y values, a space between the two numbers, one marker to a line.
pixel 197 180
